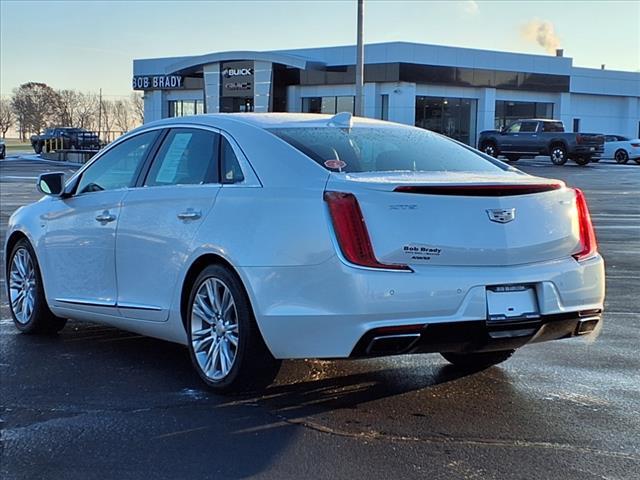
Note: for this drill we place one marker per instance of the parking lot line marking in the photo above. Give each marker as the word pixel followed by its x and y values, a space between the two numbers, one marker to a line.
pixel 181 432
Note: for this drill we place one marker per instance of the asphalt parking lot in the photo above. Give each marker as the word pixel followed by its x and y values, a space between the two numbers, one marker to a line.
pixel 97 402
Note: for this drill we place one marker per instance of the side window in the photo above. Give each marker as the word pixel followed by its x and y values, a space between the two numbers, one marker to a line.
pixel 528 127
pixel 610 138
pixel 187 156
pixel 117 168
pixel 231 171
pixel 514 128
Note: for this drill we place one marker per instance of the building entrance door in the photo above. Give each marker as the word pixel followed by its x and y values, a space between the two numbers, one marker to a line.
pixel 235 104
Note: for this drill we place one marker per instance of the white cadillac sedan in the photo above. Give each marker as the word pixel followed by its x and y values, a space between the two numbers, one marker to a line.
pixel 253 238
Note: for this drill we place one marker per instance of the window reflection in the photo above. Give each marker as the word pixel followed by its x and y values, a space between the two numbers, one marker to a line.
pixel 453 117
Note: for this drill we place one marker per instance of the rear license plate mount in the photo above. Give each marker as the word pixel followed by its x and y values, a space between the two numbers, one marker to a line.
pixel 512 302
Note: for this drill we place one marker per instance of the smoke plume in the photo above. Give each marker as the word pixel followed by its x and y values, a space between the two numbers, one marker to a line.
pixel 543 33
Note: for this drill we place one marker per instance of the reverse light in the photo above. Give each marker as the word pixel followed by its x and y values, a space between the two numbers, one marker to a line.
pixel 351 232
pixel 589 246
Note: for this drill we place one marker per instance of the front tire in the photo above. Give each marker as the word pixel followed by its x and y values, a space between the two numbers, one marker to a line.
pixel 37 147
pixel 558 155
pixel 477 360
pixel 225 344
pixel 490 149
pixel 27 302
pixel 622 156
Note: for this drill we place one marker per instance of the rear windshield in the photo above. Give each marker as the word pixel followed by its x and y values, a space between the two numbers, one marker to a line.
pixel 368 149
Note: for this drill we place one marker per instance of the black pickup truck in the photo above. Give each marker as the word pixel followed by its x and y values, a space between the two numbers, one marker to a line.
pixel 528 138
pixel 65 138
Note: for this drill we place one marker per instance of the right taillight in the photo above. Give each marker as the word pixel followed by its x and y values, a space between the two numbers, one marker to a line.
pixel 588 244
pixel 351 232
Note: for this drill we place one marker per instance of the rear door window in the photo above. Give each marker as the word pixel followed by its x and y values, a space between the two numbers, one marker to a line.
pixel 188 156
pixel 528 127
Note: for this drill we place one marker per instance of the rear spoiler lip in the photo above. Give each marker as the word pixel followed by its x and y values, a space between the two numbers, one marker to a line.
pixel 505 190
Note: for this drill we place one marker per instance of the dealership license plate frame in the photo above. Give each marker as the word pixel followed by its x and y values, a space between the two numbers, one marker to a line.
pixel 512 302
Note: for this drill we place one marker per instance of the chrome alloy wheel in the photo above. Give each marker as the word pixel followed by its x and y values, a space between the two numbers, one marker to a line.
pixel 490 150
pixel 22 285
pixel 214 328
pixel 558 156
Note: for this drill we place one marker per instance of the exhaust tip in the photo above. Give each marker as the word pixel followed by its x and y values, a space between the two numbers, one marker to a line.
pixel 392 344
pixel 587 325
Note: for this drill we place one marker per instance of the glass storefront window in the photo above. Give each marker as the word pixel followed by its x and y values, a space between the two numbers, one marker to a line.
pixel 453 117
pixel 328 105
pixel 508 112
pixel 345 104
pixel 180 108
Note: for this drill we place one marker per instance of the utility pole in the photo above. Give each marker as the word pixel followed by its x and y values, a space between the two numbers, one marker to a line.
pixel 100 113
pixel 359 61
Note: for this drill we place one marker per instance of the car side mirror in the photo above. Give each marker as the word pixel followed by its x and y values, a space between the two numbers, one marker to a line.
pixel 51 183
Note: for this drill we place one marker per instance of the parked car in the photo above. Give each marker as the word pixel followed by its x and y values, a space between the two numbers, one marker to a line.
pixel 621 149
pixel 3 149
pixel 66 138
pixel 253 238
pixel 528 138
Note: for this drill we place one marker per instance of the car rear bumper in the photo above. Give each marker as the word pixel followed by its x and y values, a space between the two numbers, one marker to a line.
pixel 476 336
pixel 323 311
pixel 591 150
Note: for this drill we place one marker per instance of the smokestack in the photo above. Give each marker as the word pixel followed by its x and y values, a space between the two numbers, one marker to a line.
pixel 602 67
pixel 559 52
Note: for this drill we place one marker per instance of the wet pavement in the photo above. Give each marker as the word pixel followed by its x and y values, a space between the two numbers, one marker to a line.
pixel 97 402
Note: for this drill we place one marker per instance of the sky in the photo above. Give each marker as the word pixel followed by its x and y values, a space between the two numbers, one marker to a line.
pixel 91 45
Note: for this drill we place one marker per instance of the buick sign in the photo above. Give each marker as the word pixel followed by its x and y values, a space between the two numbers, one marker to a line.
pixel 237 72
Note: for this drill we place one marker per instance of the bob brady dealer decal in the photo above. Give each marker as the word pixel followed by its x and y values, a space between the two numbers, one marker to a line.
pixel 421 252
pixel 157 82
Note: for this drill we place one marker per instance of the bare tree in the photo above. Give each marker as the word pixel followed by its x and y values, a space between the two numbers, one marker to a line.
pixel 86 111
pixel 137 107
pixel 122 115
pixel 7 117
pixel 68 101
pixel 35 105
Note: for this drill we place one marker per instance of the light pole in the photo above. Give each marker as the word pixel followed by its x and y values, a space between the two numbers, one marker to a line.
pixel 359 61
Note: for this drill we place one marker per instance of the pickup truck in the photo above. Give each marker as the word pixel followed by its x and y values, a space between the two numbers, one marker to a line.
pixel 65 138
pixel 531 137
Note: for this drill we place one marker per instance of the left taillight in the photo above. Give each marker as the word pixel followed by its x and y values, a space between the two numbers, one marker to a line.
pixel 351 232
pixel 588 244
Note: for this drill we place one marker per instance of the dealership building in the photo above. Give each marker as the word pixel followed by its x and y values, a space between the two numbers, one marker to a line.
pixel 455 91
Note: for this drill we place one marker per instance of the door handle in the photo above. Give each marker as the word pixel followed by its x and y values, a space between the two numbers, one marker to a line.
pixel 105 217
pixel 189 215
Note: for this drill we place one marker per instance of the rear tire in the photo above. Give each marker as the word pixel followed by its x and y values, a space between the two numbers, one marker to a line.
pixel 27 302
pixel 558 155
pixel 477 360
pixel 225 344
pixel 512 158
pixel 622 156
pixel 582 160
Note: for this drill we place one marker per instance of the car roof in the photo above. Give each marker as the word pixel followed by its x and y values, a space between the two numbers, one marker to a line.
pixel 267 120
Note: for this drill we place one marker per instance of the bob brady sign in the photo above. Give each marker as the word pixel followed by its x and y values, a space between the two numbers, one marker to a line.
pixel 158 82
pixel 236 79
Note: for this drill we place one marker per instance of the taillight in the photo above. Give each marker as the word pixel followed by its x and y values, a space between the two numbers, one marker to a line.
pixel 635 145
pixel 578 138
pixel 351 231
pixel 588 243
